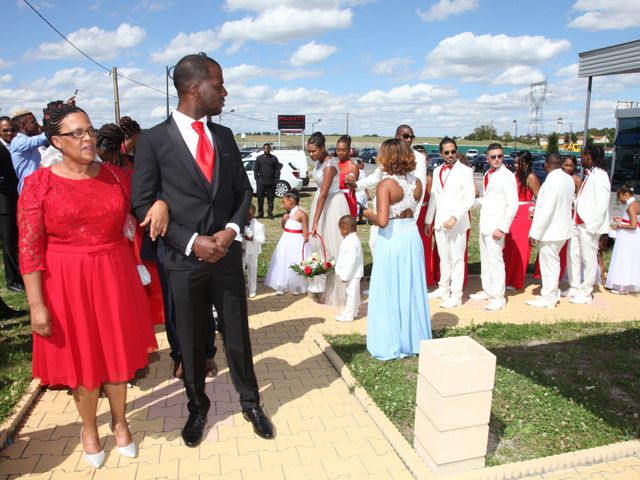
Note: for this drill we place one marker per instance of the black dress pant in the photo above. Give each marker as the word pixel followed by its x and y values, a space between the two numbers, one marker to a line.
pixel 270 192
pixel 9 232
pixel 220 284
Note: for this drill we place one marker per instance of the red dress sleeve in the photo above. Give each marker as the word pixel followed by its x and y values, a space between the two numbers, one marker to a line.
pixel 31 227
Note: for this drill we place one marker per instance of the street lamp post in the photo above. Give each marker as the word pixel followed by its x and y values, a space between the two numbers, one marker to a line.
pixel 224 113
pixel 515 138
pixel 313 125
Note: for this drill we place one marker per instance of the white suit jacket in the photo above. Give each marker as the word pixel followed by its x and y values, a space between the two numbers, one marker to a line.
pixel 592 203
pixel 499 203
pixel 454 199
pixel 371 181
pixel 255 230
pixel 350 263
pixel 552 218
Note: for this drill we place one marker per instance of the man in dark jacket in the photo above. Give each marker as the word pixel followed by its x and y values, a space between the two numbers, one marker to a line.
pixel 266 171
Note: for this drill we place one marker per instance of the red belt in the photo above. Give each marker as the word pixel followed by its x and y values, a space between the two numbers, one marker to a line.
pixel 292 231
pixel 627 222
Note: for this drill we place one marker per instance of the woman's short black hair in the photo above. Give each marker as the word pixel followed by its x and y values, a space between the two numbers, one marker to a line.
pixel 56 116
pixel 317 139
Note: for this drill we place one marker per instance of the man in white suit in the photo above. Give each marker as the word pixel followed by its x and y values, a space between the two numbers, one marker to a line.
pixel 253 239
pixel 405 133
pixel 498 207
pixel 591 219
pixel 452 195
pixel 552 227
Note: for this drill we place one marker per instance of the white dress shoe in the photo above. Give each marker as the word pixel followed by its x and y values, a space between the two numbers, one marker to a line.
pixel 344 318
pixel 581 299
pixel 569 292
pixel 510 288
pixel 540 303
pixel 451 302
pixel 252 294
pixel 94 459
pixel 481 295
pixel 618 292
pixel 495 304
pixel 280 292
pixel 129 451
pixel 439 293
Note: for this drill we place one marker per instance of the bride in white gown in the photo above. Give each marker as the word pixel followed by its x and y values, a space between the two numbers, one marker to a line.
pixel 328 206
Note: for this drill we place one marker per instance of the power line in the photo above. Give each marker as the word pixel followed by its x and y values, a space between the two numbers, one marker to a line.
pixel 89 57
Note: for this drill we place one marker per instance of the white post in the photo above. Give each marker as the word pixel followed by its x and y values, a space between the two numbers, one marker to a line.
pixel 453 403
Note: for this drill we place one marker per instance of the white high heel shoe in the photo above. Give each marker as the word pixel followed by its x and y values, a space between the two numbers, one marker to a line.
pixel 94 459
pixel 129 451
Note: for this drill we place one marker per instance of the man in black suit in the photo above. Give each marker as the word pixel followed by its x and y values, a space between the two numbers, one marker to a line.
pixel 8 225
pixel 199 173
pixel 266 171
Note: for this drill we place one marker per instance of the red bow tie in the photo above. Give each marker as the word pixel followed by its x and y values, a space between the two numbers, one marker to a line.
pixel 448 167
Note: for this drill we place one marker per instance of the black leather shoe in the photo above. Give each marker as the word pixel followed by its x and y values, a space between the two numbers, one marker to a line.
pixel 9 312
pixel 261 424
pixel 16 287
pixel 193 429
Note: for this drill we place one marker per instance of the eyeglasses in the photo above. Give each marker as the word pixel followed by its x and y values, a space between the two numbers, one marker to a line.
pixel 449 152
pixel 80 133
pixel 8 130
pixel 406 136
pixel 493 157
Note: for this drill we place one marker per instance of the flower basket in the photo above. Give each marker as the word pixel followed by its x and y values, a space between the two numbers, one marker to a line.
pixel 314 268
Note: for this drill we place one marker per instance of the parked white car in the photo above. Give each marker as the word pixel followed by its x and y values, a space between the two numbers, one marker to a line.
pixel 297 159
pixel 472 152
pixel 289 177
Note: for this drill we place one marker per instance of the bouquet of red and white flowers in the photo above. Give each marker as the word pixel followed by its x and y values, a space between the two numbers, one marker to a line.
pixel 314 265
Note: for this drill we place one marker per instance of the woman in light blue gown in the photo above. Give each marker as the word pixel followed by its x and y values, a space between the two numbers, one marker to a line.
pixel 398 317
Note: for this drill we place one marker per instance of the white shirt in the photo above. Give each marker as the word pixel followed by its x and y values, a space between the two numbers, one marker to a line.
pixel 350 263
pixel 190 137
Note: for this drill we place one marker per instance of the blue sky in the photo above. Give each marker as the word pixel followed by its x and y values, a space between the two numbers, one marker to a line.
pixel 443 66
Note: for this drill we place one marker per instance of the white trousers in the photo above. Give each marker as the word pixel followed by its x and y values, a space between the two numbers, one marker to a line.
pixel 451 247
pixel 492 266
pixel 549 255
pixel 583 252
pixel 353 298
pixel 251 265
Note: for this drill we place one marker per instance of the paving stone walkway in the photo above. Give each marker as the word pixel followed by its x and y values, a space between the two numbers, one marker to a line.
pixel 323 432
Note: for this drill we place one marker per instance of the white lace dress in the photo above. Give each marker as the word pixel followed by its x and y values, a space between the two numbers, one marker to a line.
pixel 335 207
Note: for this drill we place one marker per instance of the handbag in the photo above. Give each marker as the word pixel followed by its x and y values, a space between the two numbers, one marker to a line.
pixel 129 230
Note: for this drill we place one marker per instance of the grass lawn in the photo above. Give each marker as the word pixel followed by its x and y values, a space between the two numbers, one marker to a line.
pixel 559 387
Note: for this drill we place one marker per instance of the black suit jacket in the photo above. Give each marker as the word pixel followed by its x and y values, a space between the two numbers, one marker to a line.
pixel 164 166
pixel 8 183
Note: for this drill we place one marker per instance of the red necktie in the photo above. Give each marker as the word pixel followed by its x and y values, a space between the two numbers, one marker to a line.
pixel 486 178
pixel 205 156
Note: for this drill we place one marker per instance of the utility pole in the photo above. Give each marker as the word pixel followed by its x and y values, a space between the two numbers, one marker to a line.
pixel 116 96
pixel 167 75
pixel 490 130
pixel 347 123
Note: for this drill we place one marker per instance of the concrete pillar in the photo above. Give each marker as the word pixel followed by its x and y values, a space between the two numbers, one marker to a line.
pixel 453 403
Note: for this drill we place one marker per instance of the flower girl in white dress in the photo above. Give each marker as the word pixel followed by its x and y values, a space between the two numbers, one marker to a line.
pixel 289 249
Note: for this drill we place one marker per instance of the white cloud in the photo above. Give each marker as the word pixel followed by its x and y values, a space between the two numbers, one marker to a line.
pixel 152 5
pixel 606 14
pixel 284 23
pixel 568 71
pixel 4 63
pixel 95 42
pixel 6 78
pixel 264 5
pixel 311 52
pixel 392 66
pixel 296 74
pixel 446 8
pixel 185 44
pixel 407 94
pixel 518 75
pixel 483 58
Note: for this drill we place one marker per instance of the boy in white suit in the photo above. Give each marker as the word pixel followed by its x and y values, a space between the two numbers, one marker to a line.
pixel 252 241
pixel 452 195
pixel 350 266
pixel 498 207
pixel 552 227
pixel 591 219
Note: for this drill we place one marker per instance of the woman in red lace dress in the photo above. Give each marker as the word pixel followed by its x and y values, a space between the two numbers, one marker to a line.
pixel 89 314
pixel 516 246
pixel 346 167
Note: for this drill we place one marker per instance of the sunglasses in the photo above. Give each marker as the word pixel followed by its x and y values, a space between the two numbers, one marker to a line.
pixel 449 152
pixel 406 136
pixel 493 157
pixel 7 130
